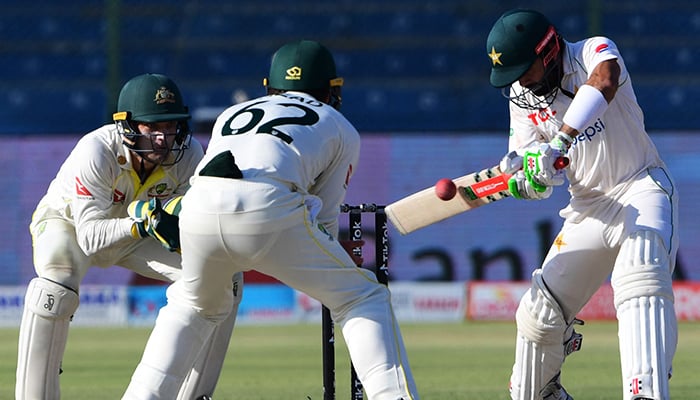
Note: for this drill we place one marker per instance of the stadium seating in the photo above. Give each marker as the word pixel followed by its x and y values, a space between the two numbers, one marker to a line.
pixel 409 65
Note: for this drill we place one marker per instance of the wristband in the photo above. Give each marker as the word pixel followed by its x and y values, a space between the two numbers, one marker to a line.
pixel 562 141
pixel 588 104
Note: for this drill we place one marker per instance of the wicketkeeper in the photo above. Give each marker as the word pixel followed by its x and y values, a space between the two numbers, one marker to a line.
pixel 109 205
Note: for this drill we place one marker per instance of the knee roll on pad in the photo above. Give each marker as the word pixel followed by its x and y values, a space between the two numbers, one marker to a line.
pixel 646 316
pixel 48 299
pixel 544 340
pixel 48 308
pixel 642 268
pixel 539 316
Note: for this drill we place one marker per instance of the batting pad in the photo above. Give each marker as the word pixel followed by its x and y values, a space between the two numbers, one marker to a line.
pixel 647 326
pixel 648 337
pixel 543 341
pixel 43 334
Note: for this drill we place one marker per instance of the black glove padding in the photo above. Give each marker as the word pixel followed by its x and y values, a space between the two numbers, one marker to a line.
pixel 165 227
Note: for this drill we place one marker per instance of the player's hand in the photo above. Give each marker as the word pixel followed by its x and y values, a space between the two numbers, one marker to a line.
pixel 521 188
pixel 151 220
pixel 541 166
pixel 140 212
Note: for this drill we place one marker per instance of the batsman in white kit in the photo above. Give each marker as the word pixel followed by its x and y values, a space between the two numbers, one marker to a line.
pixel 576 99
pixel 267 197
pixel 116 192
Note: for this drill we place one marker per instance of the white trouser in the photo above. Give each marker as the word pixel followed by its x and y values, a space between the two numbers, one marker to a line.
pixel 587 251
pixel 214 246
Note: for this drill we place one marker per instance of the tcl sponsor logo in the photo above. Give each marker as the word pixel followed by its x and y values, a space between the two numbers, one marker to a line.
pixel 542 115
pixel 437 303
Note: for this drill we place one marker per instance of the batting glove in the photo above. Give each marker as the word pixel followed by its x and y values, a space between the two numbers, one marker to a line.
pixel 521 188
pixel 151 220
pixel 541 167
pixel 511 163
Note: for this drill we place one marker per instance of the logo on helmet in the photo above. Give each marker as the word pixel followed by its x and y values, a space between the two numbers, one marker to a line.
pixel 495 57
pixel 293 74
pixel 164 95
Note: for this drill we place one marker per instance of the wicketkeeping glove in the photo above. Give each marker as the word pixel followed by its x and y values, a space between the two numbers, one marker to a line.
pixel 139 211
pixel 151 220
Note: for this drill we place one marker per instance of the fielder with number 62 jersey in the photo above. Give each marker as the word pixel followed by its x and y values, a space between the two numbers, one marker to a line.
pixel 267 197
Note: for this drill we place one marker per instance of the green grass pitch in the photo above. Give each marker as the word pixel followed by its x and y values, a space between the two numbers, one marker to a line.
pixel 470 360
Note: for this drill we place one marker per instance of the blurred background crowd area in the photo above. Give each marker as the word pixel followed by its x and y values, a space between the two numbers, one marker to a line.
pixel 409 65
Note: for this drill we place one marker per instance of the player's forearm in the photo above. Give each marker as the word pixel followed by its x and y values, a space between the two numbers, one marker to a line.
pixel 94 236
pixel 588 105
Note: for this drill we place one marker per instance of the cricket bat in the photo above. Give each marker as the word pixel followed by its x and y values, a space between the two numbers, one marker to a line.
pixel 424 208
pixel 474 190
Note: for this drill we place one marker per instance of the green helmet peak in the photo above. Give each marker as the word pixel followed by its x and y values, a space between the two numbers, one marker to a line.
pixel 151 98
pixel 302 65
pixel 514 43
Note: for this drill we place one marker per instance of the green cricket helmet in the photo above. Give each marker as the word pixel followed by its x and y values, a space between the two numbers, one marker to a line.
pixel 517 39
pixel 152 98
pixel 305 66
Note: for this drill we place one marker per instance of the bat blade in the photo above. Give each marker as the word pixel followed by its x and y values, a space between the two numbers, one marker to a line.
pixel 424 208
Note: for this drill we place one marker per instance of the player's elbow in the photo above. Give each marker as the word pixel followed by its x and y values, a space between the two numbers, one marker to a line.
pixel 87 248
pixel 606 78
pixel 609 89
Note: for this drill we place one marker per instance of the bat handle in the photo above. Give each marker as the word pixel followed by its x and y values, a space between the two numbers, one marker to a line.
pixel 561 163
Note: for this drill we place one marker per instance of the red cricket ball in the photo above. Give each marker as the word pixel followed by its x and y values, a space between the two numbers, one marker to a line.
pixel 445 189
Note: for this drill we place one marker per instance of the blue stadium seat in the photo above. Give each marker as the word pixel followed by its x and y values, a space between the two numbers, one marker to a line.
pixel 666 104
pixel 654 20
pixel 671 59
pixel 408 65
pixel 62 110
